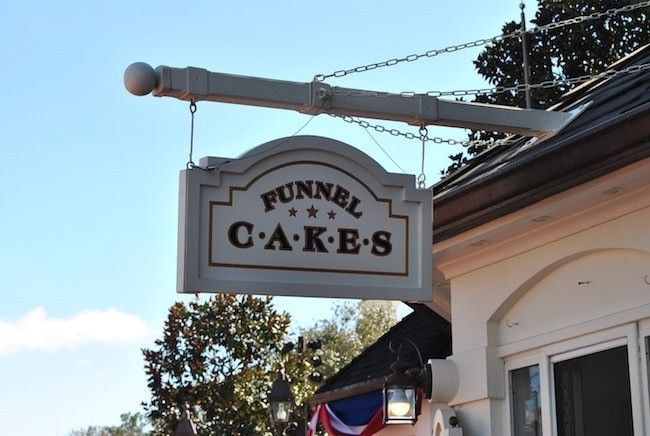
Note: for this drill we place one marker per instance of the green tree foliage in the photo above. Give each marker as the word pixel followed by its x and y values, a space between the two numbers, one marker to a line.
pixel 133 424
pixel 220 357
pixel 217 356
pixel 353 327
pixel 570 51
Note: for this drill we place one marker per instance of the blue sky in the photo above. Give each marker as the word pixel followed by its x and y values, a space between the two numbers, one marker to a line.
pixel 89 173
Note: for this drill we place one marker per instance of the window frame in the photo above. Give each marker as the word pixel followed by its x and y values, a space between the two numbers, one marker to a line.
pixel 644 357
pixel 631 335
pixel 518 362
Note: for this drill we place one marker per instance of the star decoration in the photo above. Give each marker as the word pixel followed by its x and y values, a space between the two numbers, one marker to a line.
pixel 292 212
pixel 332 215
pixel 312 212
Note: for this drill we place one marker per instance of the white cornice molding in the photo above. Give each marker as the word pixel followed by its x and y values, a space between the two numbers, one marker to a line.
pixel 580 208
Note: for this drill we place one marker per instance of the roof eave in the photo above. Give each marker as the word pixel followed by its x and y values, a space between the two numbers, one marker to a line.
pixel 608 147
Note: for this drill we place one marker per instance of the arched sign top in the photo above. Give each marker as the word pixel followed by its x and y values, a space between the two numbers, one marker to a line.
pixel 297 144
pixel 306 216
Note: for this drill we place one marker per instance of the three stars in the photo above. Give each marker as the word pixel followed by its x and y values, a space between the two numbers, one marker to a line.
pixel 311 212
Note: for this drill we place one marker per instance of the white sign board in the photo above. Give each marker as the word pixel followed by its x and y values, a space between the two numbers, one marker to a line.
pixel 304 216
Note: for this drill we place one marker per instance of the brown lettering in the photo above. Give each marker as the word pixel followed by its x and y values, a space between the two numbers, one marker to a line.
pixel 233 232
pixel 324 189
pixel 304 188
pixel 312 239
pixel 279 237
pixel 381 245
pixel 353 205
pixel 341 196
pixel 348 241
pixel 268 198
pixel 285 198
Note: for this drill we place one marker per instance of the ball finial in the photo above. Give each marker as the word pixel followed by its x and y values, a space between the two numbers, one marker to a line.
pixel 139 78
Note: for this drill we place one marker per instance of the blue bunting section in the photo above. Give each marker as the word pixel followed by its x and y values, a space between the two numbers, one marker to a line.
pixel 362 415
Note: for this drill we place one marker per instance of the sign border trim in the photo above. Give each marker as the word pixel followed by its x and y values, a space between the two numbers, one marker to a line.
pixel 273 267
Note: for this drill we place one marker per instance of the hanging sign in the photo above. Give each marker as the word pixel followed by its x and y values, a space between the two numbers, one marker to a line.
pixel 304 216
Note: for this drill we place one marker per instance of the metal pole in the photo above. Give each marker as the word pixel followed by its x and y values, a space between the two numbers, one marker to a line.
pixel 198 84
pixel 524 49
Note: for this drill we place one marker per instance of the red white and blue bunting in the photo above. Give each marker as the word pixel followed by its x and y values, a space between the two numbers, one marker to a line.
pixel 362 415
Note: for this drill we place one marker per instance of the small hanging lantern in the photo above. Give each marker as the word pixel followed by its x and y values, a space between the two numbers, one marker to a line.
pixel 401 389
pixel 280 401
pixel 400 395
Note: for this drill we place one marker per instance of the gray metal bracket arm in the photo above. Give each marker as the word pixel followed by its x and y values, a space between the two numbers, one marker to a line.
pixel 198 84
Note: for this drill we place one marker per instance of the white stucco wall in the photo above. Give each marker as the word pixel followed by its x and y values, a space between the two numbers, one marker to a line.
pixel 576 274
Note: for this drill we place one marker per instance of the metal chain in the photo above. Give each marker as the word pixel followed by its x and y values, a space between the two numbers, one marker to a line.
pixel 481 42
pixel 420 137
pixel 542 85
pixel 424 134
pixel 500 89
pixel 190 163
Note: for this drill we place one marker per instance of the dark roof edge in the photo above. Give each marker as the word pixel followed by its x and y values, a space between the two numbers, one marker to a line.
pixel 347 391
pixel 536 151
pixel 609 147
pixel 365 351
pixel 419 310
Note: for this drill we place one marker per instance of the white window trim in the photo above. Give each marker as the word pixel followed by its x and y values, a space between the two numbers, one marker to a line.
pixel 517 363
pixel 644 350
pixel 591 349
pixel 629 335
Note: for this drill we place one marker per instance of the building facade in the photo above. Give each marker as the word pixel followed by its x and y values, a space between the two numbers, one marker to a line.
pixel 542 265
pixel 542 258
pixel 551 313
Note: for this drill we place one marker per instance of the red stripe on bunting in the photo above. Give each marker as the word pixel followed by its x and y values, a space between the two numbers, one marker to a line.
pixel 325 420
pixel 375 424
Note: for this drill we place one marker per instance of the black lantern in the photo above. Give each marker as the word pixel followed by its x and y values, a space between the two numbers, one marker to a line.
pixel 401 389
pixel 280 401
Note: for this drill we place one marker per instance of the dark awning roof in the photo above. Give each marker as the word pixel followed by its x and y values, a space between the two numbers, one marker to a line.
pixel 366 372
pixel 613 131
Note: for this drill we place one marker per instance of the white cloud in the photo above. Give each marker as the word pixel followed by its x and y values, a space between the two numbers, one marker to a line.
pixel 37 331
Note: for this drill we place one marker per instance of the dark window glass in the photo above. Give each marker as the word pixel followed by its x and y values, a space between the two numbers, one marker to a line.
pixel 526 405
pixel 592 395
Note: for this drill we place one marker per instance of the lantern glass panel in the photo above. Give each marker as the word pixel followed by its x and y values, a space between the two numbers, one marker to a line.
pixel 400 405
pixel 280 411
